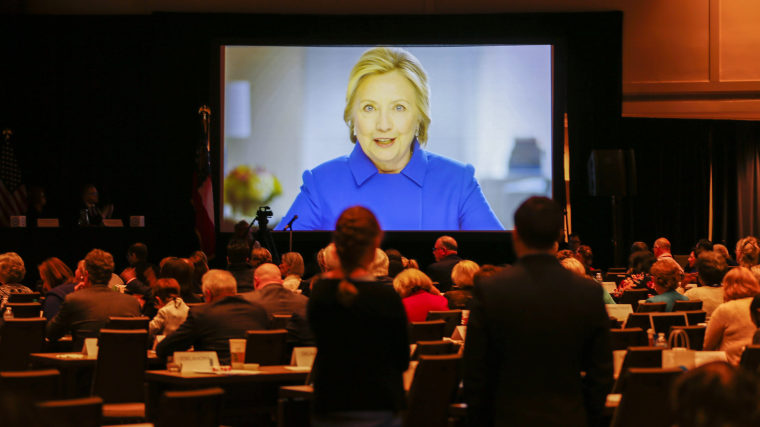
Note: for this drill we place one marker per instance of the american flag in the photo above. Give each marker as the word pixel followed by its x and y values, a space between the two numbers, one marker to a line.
pixel 12 188
pixel 203 190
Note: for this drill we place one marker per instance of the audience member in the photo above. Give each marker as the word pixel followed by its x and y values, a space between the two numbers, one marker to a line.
pixel 666 275
pixel 57 282
pixel 446 257
pixel 586 257
pixel 754 314
pixel 576 267
pixel 462 277
pixel 86 311
pixel 730 327
pixel 418 294
pixel 395 262
pixel 360 330
pixel 537 325
pixel 748 252
pixel 180 270
pixel 723 250
pixel 711 267
pixel 199 261
pixel 210 326
pixel 715 394
pixel 379 266
pixel 12 272
pixel 238 263
pixel 564 253
pixel 637 277
pixel 661 249
pixel 639 247
pixel 574 242
pixel 243 232
pixel 260 256
pixel 292 268
pixel 271 295
pixel 172 311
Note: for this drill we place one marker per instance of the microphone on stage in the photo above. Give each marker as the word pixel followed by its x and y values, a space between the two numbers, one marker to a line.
pixel 290 224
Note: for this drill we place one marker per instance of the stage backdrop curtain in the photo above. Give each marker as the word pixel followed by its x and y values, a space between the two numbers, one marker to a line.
pixel 748 178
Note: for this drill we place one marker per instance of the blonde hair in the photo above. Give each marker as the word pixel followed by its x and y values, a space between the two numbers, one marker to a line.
pixel 463 273
pixel 574 266
pixel 12 268
pixel 666 273
pixel 218 282
pixel 294 261
pixel 381 60
pixel 380 264
pixel 748 251
pixel 738 283
pixel 410 281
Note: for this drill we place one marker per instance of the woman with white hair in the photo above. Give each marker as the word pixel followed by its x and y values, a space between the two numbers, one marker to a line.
pixel 12 272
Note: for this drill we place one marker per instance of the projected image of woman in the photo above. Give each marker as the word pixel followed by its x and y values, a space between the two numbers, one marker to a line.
pixel 388 113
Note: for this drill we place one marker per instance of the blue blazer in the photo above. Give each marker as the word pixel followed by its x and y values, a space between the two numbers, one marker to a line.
pixel 430 193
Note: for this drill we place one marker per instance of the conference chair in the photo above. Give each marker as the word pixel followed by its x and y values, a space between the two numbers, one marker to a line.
pixel 198 408
pixel 639 320
pixel 621 339
pixel 266 347
pixel 696 334
pixel 695 317
pixel 633 296
pixel 453 318
pixel 432 330
pixel 750 359
pixel 431 348
pixel 85 412
pixel 19 338
pixel 294 405
pixel 280 320
pixel 119 377
pixel 689 305
pixel 637 357
pixel 645 399
pixel 127 323
pixel 651 307
pixel 20 390
pixel 434 386
pixel 25 310
pixel 19 297
pixel 662 322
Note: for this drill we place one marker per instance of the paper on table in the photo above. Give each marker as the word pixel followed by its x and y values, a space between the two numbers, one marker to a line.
pixel 702 357
pixel 609 286
pixel 298 368
pixel 619 311
pixel 226 372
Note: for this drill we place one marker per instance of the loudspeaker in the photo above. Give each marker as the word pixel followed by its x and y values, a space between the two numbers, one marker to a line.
pixel 612 173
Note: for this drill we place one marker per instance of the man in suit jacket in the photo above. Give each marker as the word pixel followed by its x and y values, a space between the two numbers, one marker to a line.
pixel 446 257
pixel 86 311
pixel 210 326
pixel 532 330
pixel 271 295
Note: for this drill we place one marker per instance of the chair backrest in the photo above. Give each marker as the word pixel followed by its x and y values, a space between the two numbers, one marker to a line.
pixel 120 370
pixel 198 408
pixel 280 320
pixel 639 320
pixel 86 412
pixel 651 307
pixel 696 335
pixel 18 338
pixel 126 323
pixel 637 357
pixel 695 317
pixel 694 304
pixel 21 297
pixel 621 339
pixel 25 310
pixel 662 322
pixel 750 359
pixel 451 317
pixel 432 330
pixel 20 390
pixel 430 348
pixel 632 296
pixel 435 382
pixel 266 347
pixel 645 399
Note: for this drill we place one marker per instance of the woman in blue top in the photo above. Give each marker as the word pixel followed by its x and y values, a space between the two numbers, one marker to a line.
pixel 666 275
pixel 406 187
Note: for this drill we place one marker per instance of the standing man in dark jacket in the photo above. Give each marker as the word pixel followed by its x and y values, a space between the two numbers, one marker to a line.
pixel 533 329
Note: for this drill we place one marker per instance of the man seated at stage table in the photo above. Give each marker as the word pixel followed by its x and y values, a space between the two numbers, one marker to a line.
pixel 86 311
pixel 210 326
pixel 271 295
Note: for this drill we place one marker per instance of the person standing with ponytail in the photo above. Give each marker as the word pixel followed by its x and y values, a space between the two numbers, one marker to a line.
pixel 360 329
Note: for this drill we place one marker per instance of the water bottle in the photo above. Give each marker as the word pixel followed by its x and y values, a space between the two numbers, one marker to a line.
pixel 661 341
pixel 8 314
pixel 598 277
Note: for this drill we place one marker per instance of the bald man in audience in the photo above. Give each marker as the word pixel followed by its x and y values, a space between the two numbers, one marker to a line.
pixel 270 294
pixel 446 257
pixel 210 326
pixel 661 249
